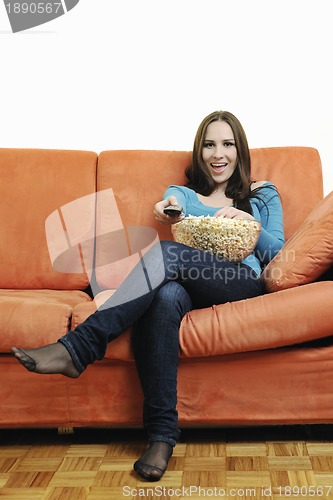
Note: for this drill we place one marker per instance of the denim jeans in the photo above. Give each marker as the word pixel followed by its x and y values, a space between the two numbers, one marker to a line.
pixel 170 280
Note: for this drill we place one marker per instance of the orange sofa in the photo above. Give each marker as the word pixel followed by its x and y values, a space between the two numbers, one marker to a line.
pixel 267 360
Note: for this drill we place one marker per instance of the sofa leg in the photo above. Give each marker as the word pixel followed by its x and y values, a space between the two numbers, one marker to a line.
pixel 65 430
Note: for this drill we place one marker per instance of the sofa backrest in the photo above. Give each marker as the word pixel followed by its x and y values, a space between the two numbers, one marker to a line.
pixel 48 208
pixel 139 178
pixel 36 184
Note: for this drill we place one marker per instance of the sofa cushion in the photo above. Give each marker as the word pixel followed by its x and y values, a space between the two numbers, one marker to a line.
pixel 32 318
pixel 260 323
pixel 263 322
pixel 37 185
pixel 307 255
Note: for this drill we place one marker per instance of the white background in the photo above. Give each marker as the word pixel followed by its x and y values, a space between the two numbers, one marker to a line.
pixel 117 74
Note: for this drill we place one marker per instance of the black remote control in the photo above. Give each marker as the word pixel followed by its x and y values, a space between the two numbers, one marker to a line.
pixel 173 210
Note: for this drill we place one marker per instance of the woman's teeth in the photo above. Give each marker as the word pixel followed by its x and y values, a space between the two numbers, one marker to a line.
pixel 219 167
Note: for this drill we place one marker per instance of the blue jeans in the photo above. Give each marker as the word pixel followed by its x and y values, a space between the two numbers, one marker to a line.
pixel 170 280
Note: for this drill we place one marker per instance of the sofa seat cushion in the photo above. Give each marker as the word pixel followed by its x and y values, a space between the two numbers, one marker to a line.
pixel 31 318
pixel 259 323
pixel 263 322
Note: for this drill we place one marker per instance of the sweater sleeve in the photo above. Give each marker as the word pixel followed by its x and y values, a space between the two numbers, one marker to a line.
pixel 268 210
pixel 179 193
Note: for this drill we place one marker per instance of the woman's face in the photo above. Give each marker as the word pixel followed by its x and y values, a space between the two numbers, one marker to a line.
pixel 219 151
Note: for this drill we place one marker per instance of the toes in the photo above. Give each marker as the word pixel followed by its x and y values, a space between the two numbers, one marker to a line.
pixel 148 472
pixel 154 462
pixel 28 362
pixel 16 352
pixel 47 360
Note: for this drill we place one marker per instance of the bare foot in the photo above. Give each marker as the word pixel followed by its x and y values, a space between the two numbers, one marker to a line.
pixel 154 462
pixel 52 358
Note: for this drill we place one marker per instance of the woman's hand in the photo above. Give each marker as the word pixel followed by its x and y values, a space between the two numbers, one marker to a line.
pixel 233 213
pixel 161 216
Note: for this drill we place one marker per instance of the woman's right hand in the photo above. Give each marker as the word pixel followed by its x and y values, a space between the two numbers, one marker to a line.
pixel 161 216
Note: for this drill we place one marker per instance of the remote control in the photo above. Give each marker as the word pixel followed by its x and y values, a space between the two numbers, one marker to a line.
pixel 173 210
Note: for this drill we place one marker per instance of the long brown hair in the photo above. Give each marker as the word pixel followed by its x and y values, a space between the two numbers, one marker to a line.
pixel 199 178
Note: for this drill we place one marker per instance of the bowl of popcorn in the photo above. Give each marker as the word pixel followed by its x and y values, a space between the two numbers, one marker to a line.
pixel 230 239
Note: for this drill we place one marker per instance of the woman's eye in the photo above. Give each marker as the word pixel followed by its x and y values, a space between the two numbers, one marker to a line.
pixel 228 144
pixel 208 145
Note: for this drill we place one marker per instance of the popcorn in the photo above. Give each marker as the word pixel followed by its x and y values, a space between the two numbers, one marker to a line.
pixel 231 239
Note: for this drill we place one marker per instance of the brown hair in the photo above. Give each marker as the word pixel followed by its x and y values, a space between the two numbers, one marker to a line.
pixel 199 178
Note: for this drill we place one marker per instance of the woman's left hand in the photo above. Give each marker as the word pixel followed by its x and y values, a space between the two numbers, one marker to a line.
pixel 233 213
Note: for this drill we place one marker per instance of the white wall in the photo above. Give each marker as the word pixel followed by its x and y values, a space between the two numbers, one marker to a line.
pixel 114 74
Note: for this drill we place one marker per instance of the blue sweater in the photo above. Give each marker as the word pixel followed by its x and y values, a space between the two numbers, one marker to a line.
pixel 266 209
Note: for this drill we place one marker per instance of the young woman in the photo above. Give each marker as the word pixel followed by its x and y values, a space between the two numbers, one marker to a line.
pixel 219 184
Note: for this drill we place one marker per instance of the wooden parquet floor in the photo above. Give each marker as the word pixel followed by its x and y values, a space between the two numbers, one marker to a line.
pixel 96 464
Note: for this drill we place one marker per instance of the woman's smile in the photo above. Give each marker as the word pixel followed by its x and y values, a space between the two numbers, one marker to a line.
pixel 219 168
